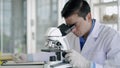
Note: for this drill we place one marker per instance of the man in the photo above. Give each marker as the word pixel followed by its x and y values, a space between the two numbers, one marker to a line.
pixel 93 45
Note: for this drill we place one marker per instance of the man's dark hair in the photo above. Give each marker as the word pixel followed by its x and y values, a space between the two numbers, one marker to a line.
pixel 80 7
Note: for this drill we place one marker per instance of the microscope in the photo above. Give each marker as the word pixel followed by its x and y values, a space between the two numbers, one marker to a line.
pixel 56 42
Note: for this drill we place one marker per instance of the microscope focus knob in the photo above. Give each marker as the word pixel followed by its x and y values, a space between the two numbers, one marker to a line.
pixel 52 58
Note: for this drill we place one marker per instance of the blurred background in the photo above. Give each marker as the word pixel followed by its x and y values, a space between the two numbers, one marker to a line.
pixel 23 23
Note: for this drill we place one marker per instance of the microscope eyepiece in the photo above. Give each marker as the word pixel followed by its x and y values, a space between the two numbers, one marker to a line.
pixel 65 29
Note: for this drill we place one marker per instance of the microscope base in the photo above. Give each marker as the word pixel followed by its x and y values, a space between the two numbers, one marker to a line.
pixel 57 64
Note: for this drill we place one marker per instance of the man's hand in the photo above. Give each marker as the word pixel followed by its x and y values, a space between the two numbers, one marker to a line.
pixel 20 58
pixel 76 59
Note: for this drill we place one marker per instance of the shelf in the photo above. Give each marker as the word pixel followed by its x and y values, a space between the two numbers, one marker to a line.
pixel 107 13
pixel 107 3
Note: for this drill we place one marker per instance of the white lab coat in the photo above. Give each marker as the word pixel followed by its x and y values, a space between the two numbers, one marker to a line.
pixel 102 46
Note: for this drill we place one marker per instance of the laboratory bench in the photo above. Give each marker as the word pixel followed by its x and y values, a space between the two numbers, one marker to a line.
pixel 11 64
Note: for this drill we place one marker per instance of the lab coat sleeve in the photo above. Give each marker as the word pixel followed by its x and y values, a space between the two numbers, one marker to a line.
pixel 108 65
pixel 40 57
pixel 113 55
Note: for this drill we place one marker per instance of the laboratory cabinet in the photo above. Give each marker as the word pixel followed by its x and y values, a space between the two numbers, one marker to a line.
pixel 107 12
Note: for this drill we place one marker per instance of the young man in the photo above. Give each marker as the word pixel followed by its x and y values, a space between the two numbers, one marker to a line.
pixel 93 45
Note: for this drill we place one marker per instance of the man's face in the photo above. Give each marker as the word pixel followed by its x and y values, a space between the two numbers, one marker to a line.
pixel 82 26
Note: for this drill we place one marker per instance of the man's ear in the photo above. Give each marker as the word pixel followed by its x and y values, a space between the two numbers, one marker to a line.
pixel 88 16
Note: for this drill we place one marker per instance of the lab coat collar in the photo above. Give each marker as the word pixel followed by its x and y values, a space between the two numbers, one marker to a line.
pixel 95 31
pixel 90 40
